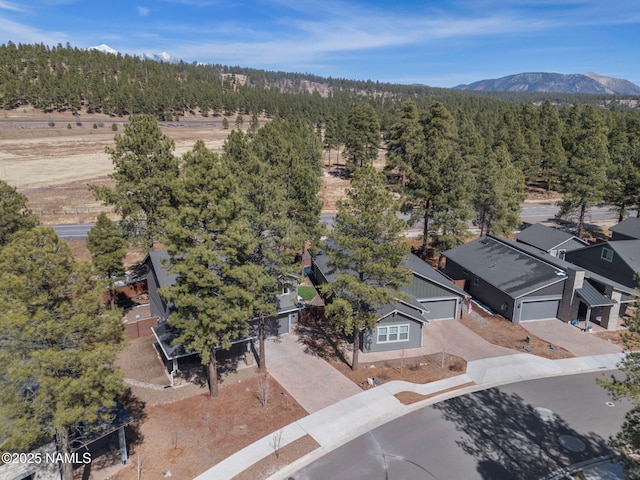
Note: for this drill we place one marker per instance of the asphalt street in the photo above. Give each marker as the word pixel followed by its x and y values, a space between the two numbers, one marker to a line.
pixel 515 432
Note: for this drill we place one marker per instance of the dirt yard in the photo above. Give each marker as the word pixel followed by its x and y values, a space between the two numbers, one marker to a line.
pixel 184 432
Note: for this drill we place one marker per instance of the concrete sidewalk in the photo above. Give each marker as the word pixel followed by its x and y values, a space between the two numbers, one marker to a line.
pixel 351 417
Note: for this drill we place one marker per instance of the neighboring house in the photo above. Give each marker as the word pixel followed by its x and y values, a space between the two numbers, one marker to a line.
pixel 510 282
pixel 288 307
pixel 555 242
pixel 618 260
pixel 399 324
pixel 627 229
pixel 523 283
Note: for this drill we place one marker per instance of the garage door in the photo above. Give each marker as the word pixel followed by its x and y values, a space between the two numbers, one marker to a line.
pixel 539 310
pixel 440 309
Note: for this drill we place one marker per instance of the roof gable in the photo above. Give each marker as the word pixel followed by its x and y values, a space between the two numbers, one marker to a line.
pixel 629 227
pixel 546 238
pixel 505 267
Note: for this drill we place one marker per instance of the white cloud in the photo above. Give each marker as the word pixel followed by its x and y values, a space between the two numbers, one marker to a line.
pixel 10 6
pixel 18 32
pixel 143 11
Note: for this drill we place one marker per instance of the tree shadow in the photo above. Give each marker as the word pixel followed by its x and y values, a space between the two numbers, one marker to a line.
pixel 321 341
pixel 512 440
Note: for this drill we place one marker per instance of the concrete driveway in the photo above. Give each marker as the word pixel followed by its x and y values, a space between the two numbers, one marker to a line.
pixel 310 380
pixel 450 335
pixel 572 338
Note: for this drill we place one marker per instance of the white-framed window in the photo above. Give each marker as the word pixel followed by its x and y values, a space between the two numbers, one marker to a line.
pixel 607 254
pixel 393 333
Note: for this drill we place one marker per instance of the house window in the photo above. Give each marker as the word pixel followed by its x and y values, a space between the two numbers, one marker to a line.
pixel 553 253
pixel 607 254
pixel 476 281
pixel 395 333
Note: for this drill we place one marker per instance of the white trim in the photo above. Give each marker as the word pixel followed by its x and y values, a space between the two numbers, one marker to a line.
pixel 607 254
pixel 388 333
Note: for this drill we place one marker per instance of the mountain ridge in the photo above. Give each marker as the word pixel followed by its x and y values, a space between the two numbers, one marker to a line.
pixel 555 83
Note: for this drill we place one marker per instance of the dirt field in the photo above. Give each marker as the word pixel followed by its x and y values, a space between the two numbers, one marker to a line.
pixel 52 165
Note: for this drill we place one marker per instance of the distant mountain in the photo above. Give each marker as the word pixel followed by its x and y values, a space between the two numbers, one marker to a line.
pixel 104 48
pixel 555 83
pixel 161 57
pixel 156 57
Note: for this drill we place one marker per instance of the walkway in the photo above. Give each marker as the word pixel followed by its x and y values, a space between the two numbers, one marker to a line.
pixel 310 380
pixel 569 337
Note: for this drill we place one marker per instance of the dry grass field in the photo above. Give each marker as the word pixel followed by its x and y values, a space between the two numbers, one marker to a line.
pixel 52 164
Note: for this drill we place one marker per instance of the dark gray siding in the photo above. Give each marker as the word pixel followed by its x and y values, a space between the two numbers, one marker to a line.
pixel 590 258
pixel 274 326
pixel 369 338
pixel 555 289
pixel 487 294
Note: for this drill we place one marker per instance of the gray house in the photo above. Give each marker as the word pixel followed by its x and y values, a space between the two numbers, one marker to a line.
pixel 158 276
pixel 627 229
pixel 523 283
pixel 516 285
pixel 399 325
pixel 553 241
pixel 618 260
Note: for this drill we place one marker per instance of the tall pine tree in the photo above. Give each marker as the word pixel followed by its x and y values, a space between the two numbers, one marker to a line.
pixel 366 255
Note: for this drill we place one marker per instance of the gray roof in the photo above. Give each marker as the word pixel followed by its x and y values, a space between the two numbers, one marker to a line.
pixel 505 266
pixel 158 259
pixel 546 238
pixel 165 334
pixel 592 297
pixel 565 265
pixel 413 263
pixel 629 251
pixel 423 269
pixel 629 226
pixel 411 311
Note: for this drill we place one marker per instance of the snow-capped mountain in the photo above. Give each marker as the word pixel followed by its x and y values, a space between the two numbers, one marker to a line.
pixel 104 48
pixel 159 57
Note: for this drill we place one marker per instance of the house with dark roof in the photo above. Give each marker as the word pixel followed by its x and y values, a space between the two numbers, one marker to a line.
pixel 523 283
pixel 159 276
pixel 399 325
pixel 551 240
pixel 618 260
pixel 516 285
pixel 627 229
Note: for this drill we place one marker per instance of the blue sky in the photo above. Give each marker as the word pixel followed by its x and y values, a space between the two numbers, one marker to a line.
pixel 437 43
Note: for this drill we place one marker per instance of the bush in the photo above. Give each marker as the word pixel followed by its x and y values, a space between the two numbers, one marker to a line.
pixel 69 126
pixel 114 127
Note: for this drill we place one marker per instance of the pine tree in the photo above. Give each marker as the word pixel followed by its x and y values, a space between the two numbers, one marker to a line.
pixel 58 345
pixel 440 185
pixel 108 247
pixel 362 137
pixel 499 192
pixel 406 143
pixel 15 214
pixel 584 181
pixel 144 167
pixel 208 242
pixel 366 255
pixel 552 152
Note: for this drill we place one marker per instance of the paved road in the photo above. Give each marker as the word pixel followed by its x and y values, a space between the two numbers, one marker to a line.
pixel 73 231
pixel 518 431
pixel 531 213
